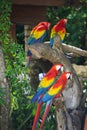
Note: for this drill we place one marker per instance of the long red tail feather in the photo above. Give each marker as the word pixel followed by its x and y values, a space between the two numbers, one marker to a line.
pixel 45 114
pixel 37 115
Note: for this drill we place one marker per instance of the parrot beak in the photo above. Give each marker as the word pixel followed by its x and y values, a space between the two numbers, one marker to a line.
pixel 62 69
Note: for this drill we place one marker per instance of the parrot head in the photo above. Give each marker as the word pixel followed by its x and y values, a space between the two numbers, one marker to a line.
pixel 60 25
pixel 64 77
pixel 62 22
pixel 46 24
pixel 55 70
pixel 58 67
pixel 68 75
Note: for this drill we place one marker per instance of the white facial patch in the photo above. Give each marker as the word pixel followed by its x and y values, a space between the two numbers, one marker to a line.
pixel 69 76
pixel 58 67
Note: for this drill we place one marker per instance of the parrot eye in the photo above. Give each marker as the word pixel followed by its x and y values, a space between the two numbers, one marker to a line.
pixel 69 76
pixel 58 67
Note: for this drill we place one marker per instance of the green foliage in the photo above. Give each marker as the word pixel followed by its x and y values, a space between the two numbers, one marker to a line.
pixel 20 89
pixel 5 10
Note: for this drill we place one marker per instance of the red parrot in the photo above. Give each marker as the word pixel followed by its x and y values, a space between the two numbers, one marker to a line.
pixel 58 29
pixel 46 82
pixel 38 33
pixel 54 92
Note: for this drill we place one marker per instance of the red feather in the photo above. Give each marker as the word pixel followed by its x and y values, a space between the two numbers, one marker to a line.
pixel 37 115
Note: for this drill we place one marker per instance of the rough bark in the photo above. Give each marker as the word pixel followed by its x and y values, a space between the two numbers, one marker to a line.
pixel 4 109
pixel 74 51
pixel 81 70
pixel 73 92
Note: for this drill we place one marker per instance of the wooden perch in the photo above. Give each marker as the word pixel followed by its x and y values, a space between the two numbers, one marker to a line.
pixel 81 70
pixel 75 51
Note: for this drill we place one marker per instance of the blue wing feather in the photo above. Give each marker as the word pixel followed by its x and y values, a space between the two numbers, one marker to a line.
pixel 51 42
pixel 39 92
pixel 46 98
pixel 33 40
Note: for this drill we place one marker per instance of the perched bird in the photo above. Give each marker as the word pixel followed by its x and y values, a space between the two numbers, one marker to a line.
pixel 38 33
pixel 54 92
pixel 44 85
pixel 47 81
pixel 58 29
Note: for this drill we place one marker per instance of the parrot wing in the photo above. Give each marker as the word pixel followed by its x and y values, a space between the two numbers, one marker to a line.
pixel 37 35
pixel 43 87
pixel 52 35
pixel 62 33
pixel 52 92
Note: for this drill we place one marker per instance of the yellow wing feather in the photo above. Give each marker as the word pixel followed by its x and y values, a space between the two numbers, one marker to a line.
pixel 54 91
pixel 45 82
pixel 61 34
pixel 38 34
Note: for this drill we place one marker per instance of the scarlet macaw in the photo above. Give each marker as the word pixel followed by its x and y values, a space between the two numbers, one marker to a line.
pixel 37 34
pixel 58 29
pixel 54 92
pixel 46 82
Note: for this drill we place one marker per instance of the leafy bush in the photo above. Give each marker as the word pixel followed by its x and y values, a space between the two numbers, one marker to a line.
pixel 18 78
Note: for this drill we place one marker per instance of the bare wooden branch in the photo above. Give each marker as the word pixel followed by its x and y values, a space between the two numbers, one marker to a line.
pixel 77 51
pixel 72 49
pixel 81 70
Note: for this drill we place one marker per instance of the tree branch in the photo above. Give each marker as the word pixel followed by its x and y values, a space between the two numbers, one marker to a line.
pixel 75 51
pixel 81 70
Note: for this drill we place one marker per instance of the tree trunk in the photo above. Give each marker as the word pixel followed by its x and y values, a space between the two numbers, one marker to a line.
pixel 4 109
pixel 71 115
